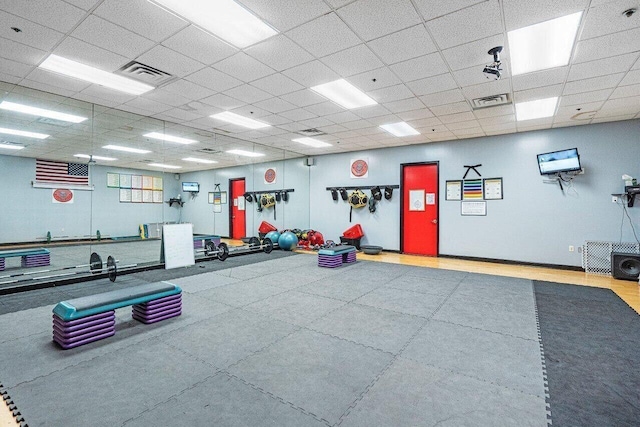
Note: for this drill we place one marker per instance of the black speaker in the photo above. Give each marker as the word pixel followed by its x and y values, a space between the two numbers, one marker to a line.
pixel 625 266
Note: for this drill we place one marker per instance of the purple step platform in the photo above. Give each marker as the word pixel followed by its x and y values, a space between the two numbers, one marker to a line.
pixel 1 264
pixel 77 332
pixel 157 310
pixel 35 260
pixel 157 317
pixel 332 261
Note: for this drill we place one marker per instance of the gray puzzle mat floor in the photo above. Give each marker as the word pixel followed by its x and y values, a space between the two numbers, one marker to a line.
pixel 284 342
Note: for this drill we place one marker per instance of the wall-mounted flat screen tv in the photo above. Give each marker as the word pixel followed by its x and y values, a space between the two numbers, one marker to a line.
pixel 190 187
pixel 559 161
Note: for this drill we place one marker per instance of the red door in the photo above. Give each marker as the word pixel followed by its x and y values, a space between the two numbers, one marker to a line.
pixel 237 220
pixel 419 216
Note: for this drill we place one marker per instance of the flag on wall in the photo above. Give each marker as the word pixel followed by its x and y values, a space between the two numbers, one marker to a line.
pixel 60 172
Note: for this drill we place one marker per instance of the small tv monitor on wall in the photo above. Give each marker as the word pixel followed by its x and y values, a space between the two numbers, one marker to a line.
pixel 559 161
pixel 190 187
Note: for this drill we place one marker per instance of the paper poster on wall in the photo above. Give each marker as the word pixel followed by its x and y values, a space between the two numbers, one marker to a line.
pixel 493 188
pixel 217 208
pixel 62 195
pixel 113 180
pixel 472 189
pixel 136 181
pixel 473 208
pixel 157 196
pixel 359 168
pixel 270 176
pixel 157 183
pixel 416 200
pixel 125 181
pixel 177 245
pixel 147 196
pixel 223 197
pixel 125 195
pixel 210 198
pixel 241 203
pixel 217 198
pixel 454 190
pixel 147 182
pixel 431 198
pixel 136 196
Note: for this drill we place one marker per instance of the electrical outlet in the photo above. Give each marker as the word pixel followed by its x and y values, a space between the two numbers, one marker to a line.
pixel 572 248
pixel 614 199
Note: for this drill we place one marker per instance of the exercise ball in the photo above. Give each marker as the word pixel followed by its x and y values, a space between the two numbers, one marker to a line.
pixel 316 238
pixel 287 241
pixel 274 236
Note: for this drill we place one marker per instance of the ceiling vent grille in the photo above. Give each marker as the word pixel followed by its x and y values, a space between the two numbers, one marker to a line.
pixel 491 101
pixel 311 132
pixel 145 74
pixel 209 151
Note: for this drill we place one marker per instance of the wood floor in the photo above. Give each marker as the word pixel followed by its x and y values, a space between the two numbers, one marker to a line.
pixel 628 291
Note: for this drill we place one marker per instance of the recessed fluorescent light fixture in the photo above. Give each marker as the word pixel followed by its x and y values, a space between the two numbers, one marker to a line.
pixel 161 165
pixel 236 119
pixel 24 133
pixel 126 149
pixel 35 111
pixel 170 138
pixel 77 70
pixel 87 156
pixel 11 146
pixel 196 160
pixel 400 129
pixel 245 153
pixel 316 143
pixel 537 109
pixel 344 94
pixel 225 18
pixel 544 45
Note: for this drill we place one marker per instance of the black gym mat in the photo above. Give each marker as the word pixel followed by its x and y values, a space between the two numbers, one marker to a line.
pixel 51 296
pixel 591 341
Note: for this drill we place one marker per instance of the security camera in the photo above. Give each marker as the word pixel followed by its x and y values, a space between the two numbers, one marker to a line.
pixel 493 71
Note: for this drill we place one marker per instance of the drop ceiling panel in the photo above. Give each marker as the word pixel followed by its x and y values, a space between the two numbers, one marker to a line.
pixel 420 114
pixel 369 111
pixel 441 98
pixel 311 74
pixel 403 45
pixel 286 14
pixel 188 89
pixel 54 14
pixel 626 91
pixel 277 84
pixel 324 108
pixel 602 67
pixel 248 94
pixel 607 46
pixel 467 25
pixel 474 53
pixel 303 98
pixel 297 114
pixel 166 97
pixel 279 53
pixel 170 61
pixel 539 79
pixel 14 68
pixel 432 84
pixel 632 77
pixel 34 35
pixel 595 83
pixel 434 9
pixel 57 80
pixel 584 97
pixel 391 93
pixel 222 101
pixel 608 18
pixel 418 68
pixel 243 67
pixel 383 77
pixel 199 45
pixel 325 35
pixel 80 51
pixel 371 19
pixel 456 107
pixel 499 110
pixel 20 52
pixel 213 79
pixel 354 60
pixel 403 105
pixel 490 88
pixel 275 105
pixel 521 13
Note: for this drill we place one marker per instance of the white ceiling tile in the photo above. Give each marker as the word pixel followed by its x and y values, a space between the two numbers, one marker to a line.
pixel 168 60
pixel 473 132
pixel 441 98
pixel 324 108
pixel 500 110
pixel 20 53
pixel 607 46
pixel 357 124
pixel 372 18
pixel 45 87
pixel 32 34
pixel 316 122
pixel 403 45
pixel 252 111
pixel 584 97
pixel 223 101
pixel 199 45
pixel 522 13
pixel 442 136
pixel 473 76
pixel 420 114
pixel 141 17
pixel 608 18
pixel 630 104
pixel 279 53
pixel 474 53
pixel 166 97
pixel 492 87
pixel 111 37
pixel 275 120
pixel 332 129
pixel 404 105
pixel 625 91
pixel 78 50
pixel 500 128
pixel 391 93
pixel 537 93
pixel 54 14
pixel 602 67
pixel 342 117
pixel 325 35
pixel 509 118
pixel 148 105
pixel 243 67
pixel 540 78
pixel 286 14
pixel 275 105
pixel 213 79
pixel 382 120
pixel 14 68
pixel 303 98
pixel 354 60
pixel 188 89
pixel 57 80
pixel 604 118
pixel 277 84
pixel 434 9
pixel 432 84
pixel 456 107
pixel 248 94
pixel 458 117
pixel 418 68
pixel 383 78
pixel 595 83
pixel 297 114
pixel 632 77
pixel 371 111
pixel 84 4
pixel 637 65
pixel 467 25
pixel 106 94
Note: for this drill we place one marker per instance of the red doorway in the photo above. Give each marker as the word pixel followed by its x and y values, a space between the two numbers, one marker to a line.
pixel 419 209
pixel 237 220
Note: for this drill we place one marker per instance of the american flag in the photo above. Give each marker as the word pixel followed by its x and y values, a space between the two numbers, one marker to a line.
pixel 63 173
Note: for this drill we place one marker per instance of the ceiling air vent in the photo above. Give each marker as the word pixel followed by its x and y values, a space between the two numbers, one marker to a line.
pixel 311 132
pixel 145 74
pixel 491 101
pixel 209 151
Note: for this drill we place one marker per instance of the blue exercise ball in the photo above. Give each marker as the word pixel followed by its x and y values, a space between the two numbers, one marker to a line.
pixel 274 236
pixel 287 241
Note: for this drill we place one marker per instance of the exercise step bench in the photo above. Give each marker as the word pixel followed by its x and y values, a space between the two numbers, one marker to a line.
pixel 30 257
pixel 83 320
pixel 336 256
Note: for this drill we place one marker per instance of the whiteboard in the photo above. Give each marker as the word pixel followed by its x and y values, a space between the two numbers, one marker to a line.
pixel 178 245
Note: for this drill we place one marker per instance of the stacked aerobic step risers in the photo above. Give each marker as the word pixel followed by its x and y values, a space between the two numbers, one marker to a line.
pixel 336 256
pixel 83 320
pixel 36 260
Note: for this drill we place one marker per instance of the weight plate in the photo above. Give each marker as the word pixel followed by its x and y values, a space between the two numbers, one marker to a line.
pixel 267 246
pixel 254 241
pixel 223 251
pixel 209 247
pixel 95 263
pixel 112 268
